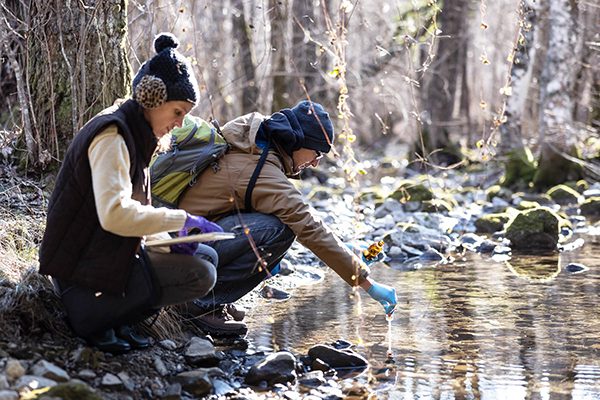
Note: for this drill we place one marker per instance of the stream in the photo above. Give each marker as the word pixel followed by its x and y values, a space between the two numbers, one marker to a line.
pixel 475 328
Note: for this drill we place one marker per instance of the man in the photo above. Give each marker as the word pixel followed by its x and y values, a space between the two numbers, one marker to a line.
pixel 272 213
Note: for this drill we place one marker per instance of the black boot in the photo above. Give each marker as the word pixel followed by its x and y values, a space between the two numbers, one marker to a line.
pixel 107 341
pixel 128 334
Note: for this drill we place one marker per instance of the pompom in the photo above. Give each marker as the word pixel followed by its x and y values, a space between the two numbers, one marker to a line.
pixel 165 40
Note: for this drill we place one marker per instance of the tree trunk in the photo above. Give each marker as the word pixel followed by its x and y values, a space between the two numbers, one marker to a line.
pixel 523 61
pixel 442 92
pixel 243 53
pixel 75 64
pixel 556 106
pixel 278 20
pixel 305 76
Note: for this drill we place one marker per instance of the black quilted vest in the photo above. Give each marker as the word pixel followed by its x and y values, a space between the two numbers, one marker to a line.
pixel 75 249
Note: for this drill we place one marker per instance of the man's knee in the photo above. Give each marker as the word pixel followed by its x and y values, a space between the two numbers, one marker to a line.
pixel 203 277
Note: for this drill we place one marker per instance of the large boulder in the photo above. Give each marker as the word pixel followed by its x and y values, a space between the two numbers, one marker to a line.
pixel 534 229
pixel 276 368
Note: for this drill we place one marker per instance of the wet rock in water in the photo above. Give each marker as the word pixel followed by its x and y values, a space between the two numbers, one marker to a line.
pixel 491 223
pixel 342 344
pixel 50 371
pixel 312 379
pixel 198 382
pixel 337 358
pixel 221 387
pixel 575 268
pixel 270 292
pixel 278 367
pixel 535 229
pixel 431 255
pixel 502 250
pixel 286 268
pixel 319 365
pixel 488 246
pixel 201 352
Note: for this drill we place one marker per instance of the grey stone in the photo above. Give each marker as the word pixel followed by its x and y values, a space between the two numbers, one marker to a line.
pixel 201 352
pixel 159 366
pixel 168 344
pixel 9 395
pixel 50 371
pixel 275 368
pixel 33 382
pixel 3 382
pixel 111 381
pixel 173 392
pixel 337 358
pixel 86 374
pixel 198 382
pixel 14 370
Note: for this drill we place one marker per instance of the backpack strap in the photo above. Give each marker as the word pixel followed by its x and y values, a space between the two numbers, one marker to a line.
pixel 254 178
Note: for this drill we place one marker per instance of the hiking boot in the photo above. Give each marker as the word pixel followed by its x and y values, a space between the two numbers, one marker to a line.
pixel 238 313
pixel 215 321
pixel 108 342
pixel 128 334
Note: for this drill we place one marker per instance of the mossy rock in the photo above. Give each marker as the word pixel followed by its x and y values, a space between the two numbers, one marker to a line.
pixel 498 191
pixel 520 168
pixel 528 205
pixel 580 186
pixel 591 206
pixel 562 194
pixel 491 223
pixel 370 195
pixel 436 206
pixel 411 191
pixel 70 391
pixel 535 229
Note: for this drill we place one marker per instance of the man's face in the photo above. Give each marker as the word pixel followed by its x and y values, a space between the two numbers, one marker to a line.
pixel 304 158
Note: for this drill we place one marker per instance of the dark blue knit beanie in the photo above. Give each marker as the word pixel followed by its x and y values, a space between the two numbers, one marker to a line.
pixel 165 77
pixel 317 136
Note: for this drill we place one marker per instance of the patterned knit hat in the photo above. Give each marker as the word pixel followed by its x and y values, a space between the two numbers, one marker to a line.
pixel 316 125
pixel 165 77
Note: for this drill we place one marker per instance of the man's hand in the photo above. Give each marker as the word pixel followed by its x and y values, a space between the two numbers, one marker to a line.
pixel 384 294
pixel 196 221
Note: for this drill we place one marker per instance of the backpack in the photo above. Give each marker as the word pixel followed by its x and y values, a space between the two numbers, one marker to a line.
pixel 194 146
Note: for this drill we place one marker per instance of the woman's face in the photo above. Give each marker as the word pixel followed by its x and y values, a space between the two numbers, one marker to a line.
pixel 167 116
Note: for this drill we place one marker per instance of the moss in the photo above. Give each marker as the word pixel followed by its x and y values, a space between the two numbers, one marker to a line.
pixel 70 391
pixel 528 205
pixel 591 206
pixel 491 223
pixel 554 169
pixel 411 191
pixel 436 205
pixel 371 194
pixel 520 168
pixel 562 194
pixel 537 228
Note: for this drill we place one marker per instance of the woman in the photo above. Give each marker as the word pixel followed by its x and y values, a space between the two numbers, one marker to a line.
pixel 100 211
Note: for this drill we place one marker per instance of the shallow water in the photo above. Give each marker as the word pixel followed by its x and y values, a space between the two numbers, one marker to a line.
pixel 472 329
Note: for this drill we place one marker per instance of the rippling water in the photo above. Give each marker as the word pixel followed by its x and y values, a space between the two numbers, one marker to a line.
pixel 521 329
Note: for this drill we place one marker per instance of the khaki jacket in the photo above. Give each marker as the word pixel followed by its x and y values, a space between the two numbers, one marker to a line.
pixel 223 191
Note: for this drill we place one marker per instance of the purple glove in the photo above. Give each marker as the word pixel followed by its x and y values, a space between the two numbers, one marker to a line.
pixel 184 248
pixel 205 226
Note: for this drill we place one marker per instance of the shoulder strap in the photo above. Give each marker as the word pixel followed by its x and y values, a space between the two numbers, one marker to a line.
pixel 254 178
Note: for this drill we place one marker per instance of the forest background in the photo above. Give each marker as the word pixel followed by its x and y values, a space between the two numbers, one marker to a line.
pixel 442 82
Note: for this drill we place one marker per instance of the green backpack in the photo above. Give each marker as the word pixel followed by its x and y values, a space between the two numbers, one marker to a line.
pixel 194 146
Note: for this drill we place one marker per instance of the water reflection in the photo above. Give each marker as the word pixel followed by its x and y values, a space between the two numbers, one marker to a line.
pixel 473 329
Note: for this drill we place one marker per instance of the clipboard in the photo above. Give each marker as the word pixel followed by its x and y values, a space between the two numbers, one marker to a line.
pixel 200 237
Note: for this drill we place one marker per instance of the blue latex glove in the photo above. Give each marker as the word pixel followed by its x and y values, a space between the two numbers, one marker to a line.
pixel 184 248
pixel 205 226
pixel 384 294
